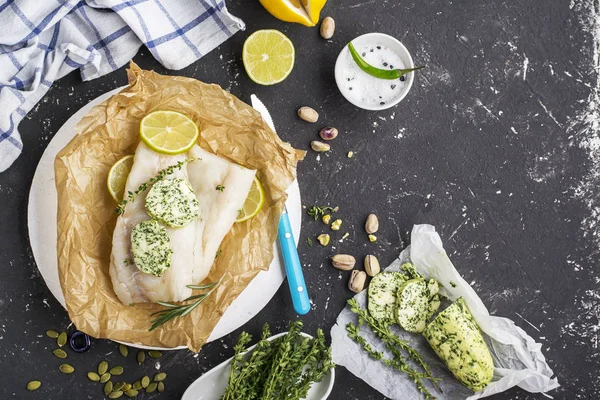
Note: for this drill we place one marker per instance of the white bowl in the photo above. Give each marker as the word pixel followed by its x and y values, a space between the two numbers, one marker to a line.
pixel 213 383
pixel 391 43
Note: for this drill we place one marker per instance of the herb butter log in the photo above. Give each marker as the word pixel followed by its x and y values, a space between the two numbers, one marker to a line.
pixel 382 295
pixel 457 340
pixel 194 213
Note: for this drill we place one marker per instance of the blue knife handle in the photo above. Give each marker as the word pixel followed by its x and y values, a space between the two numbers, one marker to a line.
pixel 293 268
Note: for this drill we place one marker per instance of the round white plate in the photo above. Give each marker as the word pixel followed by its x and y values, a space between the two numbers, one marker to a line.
pixel 42 211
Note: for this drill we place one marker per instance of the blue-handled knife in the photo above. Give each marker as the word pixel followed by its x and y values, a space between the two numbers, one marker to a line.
pixel 291 260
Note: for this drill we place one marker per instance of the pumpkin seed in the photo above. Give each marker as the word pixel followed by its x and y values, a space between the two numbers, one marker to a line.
pixel 118 386
pixel 123 350
pixel 131 393
pixel 145 381
pixel 137 385
pixel 66 368
pixel 155 354
pixel 59 353
pixel 160 377
pixel 105 377
pixel 152 387
pixel 62 339
pixel 94 377
pixel 115 395
pixel 33 385
pixel 126 387
pixel 141 356
pixel 118 370
pixel 108 387
pixel 52 334
pixel 102 367
pixel 161 387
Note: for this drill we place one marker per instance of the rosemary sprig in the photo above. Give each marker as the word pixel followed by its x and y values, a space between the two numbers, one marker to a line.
pixel 181 310
pixel 316 211
pixel 162 174
pixel 395 345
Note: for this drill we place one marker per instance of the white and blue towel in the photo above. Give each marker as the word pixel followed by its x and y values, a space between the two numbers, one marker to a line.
pixel 43 40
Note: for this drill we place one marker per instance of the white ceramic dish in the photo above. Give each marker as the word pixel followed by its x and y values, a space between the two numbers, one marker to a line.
pixel 341 66
pixel 41 215
pixel 212 384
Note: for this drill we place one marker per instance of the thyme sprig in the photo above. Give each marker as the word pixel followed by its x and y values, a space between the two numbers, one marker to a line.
pixel 181 310
pixel 281 369
pixel 316 211
pixel 162 174
pixel 395 346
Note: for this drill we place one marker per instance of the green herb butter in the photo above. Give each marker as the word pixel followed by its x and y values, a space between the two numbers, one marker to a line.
pixel 412 307
pixel 455 337
pixel 151 247
pixel 382 295
pixel 173 202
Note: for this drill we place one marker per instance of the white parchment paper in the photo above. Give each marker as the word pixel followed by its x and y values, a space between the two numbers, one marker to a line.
pixel 518 359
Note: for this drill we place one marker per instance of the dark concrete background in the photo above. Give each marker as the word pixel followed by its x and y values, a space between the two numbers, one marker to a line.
pixel 487 147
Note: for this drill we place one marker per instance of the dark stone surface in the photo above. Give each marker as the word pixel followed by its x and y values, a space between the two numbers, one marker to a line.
pixel 487 154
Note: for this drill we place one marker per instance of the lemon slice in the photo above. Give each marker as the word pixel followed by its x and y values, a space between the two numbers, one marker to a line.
pixel 305 12
pixel 117 177
pixel 268 56
pixel 253 203
pixel 168 132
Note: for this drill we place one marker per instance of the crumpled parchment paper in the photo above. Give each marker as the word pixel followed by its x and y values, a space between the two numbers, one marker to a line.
pixel 86 216
pixel 518 359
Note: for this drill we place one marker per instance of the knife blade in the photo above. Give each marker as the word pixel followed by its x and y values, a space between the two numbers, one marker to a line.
pixel 291 260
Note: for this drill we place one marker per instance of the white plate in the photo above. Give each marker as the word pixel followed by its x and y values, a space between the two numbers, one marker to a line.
pixel 41 215
pixel 212 384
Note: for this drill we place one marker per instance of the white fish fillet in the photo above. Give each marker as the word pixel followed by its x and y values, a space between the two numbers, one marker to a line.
pixel 194 245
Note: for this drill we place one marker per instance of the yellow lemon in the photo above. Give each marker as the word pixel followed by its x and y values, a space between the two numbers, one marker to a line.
pixel 117 177
pixel 305 12
pixel 254 202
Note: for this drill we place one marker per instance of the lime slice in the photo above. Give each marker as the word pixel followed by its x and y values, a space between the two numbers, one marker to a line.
pixel 168 132
pixel 268 56
pixel 117 177
pixel 254 202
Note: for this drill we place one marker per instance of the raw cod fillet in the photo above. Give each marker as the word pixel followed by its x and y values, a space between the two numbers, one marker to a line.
pixel 195 245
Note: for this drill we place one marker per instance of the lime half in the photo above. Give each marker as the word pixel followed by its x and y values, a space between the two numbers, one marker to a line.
pixel 168 132
pixel 268 56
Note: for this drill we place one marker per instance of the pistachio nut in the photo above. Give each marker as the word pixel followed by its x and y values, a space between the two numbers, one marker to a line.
pixel 308 114
pixel 328 133
pixel 357 281
pixel 319 146
pixel 324 239
pixel 345 262
pixel 326 219
pixel 372 238
pixel 372 224
pixel 350 154
pixel 335 225
pixel 327 28
pixel 372 267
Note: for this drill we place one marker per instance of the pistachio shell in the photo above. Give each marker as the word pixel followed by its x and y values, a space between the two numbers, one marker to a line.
pixel 308 114
pixel 327 28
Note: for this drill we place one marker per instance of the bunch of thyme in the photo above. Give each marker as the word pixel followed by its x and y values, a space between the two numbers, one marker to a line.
pixel 395 345
pixel 316 212
pixel 162 174
pixel 281 369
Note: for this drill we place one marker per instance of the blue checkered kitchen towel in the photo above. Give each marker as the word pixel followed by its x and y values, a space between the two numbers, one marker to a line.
pixel 43 40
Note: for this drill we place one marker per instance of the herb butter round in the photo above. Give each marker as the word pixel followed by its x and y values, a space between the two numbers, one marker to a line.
pixel 173 202
pixel 151 247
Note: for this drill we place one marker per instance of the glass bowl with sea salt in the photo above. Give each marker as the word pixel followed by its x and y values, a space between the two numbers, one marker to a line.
pixel 366 91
